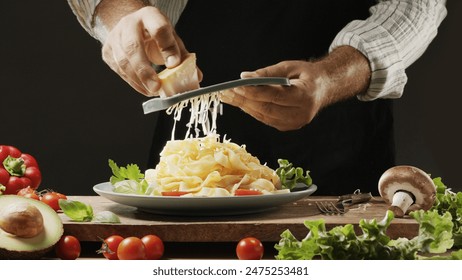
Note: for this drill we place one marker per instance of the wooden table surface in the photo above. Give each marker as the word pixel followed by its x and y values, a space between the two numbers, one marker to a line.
pixel 266 226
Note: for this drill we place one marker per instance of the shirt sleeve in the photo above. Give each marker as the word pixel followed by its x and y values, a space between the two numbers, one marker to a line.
pixel 84 10
pixel 395 35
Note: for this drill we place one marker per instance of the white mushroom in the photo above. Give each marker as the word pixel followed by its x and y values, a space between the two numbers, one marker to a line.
pixel 407 188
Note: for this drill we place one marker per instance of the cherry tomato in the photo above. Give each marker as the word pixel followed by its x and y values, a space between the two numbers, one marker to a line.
pixel 68 248
pixel 249 248
pixel 154 247
pixel 60 195
pixel 52 199
pixel 131 248
pixel 247 192
pixel 109 247
pixel 28 192
pixel 174 193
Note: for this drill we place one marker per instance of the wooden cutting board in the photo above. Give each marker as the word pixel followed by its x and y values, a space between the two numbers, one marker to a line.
pixel 266 226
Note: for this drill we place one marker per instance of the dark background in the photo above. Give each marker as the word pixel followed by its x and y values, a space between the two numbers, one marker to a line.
pixel 62 104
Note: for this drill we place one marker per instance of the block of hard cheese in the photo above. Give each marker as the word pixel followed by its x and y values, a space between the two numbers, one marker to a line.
pixel 179 79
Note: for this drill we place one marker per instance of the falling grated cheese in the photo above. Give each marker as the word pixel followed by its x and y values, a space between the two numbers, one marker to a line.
pixel 201 109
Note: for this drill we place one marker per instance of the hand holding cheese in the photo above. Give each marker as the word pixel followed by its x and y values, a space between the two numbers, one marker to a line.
pixel 136 38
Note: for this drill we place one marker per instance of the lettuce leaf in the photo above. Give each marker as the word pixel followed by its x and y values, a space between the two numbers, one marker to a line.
pixel 342 243
pixel 131 187
pixel 451 202
pixel 290 176
pixel 435 231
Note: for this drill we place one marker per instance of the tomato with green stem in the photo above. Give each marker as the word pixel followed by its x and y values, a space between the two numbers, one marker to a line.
pixel 68 248
pixel 52 199
pixel 110 246
pixel 60 195
pixel 29 192
pixel 249 248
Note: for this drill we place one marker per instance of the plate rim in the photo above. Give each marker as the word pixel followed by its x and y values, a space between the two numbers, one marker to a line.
pixel 311 189
pixel 202 206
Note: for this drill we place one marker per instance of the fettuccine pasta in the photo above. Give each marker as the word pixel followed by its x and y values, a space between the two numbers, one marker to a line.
pixel 209 167
pixel 201 164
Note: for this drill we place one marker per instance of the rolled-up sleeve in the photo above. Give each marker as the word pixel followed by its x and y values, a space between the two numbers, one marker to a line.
pixel 395 35
pixel 84 10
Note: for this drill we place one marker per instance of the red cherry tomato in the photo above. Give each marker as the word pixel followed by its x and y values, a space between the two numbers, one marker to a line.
pixel 249 248
pixel 239 192
pixel 28 192
pixel 52 199
pixel 131 248
pixel 174 193
pixel 154 247
pixel 109 247
pixel 60 195
pixel 68 248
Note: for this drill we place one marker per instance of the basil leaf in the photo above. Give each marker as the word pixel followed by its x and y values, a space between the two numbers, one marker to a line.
pixel 106 217
pixel 76 210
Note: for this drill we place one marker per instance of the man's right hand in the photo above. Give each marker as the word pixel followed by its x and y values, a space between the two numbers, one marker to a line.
pixel 138 40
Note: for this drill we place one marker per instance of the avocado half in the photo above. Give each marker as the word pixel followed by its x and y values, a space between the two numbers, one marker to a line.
pixel 14 247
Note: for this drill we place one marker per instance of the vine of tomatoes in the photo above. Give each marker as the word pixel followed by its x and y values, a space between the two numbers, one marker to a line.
pixel 49 197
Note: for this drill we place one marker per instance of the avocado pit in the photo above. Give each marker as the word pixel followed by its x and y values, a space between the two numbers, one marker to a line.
pixel 29 228
pixel 21 219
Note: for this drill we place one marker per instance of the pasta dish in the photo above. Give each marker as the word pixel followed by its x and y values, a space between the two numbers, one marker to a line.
pixel 208 167
pixel 201 164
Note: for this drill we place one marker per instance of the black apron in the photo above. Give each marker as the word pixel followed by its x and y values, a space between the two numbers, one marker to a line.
pixel 346 147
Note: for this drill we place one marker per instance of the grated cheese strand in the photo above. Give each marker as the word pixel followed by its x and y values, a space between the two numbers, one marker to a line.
pixel 201 108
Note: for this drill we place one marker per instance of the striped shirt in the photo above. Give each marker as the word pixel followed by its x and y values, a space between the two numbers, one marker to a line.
pixel 395 35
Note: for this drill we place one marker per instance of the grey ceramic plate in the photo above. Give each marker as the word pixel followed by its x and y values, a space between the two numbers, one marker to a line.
pixel 202 206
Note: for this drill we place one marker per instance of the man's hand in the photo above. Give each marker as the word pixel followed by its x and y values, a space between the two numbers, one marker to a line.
pixel 314 85
pixel 137 40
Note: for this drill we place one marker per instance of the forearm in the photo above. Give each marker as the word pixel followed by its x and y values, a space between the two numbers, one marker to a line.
pixel 345 74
